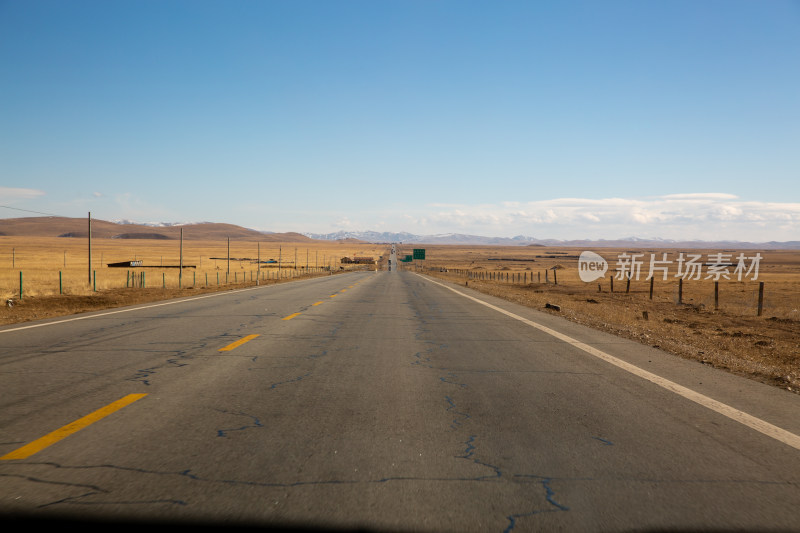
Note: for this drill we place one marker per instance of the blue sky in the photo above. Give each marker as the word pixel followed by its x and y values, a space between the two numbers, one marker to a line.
pixel 673 119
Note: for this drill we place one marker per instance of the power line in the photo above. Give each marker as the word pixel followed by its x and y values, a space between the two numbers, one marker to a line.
pixel 36 212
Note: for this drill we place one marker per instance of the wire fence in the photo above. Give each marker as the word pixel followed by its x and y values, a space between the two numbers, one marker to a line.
pixel 777 298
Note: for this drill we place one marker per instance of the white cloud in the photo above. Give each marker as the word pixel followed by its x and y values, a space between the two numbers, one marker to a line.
pixel 701 196
pixel 8 194
pixel 343 224
pixel 702 216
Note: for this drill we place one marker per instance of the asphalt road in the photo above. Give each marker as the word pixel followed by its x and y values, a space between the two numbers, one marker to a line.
pixel 385 401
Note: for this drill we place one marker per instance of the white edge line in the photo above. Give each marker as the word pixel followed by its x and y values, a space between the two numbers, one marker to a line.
pixel 750 421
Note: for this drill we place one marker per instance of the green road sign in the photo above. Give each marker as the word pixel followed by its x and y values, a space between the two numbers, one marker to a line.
pixel 407 259
pixel 419 253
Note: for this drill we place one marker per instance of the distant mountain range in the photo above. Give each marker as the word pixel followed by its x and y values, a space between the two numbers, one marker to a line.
pixel 521 240
pixel 404 237
pixel 77 227
pixel 101 229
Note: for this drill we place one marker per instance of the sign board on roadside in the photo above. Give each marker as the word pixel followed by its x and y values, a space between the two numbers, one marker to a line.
pixel 419 253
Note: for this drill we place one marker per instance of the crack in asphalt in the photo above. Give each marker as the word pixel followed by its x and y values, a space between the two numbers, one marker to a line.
pixel 544 482
pixel 33 479
pixel 143 375
pixel 293 380
pixel 549 496
pixel 76 500
pixel 461 418
pixel 318 351
pixel 256 423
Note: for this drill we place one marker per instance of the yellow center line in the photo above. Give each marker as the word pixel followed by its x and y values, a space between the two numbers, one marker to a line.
pixel 290 316
pixel 238 343
pixel 64 432
pixel 333 296
pixel 317 303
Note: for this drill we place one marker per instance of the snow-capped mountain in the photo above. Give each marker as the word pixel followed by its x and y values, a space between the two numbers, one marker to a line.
pixel 405 237
pixel 521 240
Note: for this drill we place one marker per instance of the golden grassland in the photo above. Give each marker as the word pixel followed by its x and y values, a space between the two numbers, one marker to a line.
pixel 56 278
pixel 41 259
pixel 729 335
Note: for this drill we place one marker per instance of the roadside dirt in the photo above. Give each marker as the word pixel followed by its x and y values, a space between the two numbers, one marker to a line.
pixel 41 307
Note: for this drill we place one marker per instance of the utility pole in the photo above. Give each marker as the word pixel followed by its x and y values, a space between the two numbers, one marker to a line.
pixel 180 268
pixel 90 247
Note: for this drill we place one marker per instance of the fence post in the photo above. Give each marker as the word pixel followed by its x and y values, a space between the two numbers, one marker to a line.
pixel 60 283
pixel 716 295
pixel 94 280
pixel 628 284
pixel 20 284
pixel 680 290
pixel 651 287
pixel 555 277
pixel 611 279
pixel 760 297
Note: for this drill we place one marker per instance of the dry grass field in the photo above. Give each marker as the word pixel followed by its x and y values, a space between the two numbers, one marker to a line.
pixel 56 277
pixel 728 335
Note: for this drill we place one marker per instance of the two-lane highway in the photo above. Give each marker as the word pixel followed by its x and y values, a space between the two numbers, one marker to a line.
pixel 386 401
